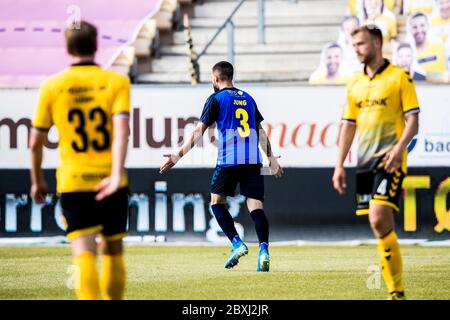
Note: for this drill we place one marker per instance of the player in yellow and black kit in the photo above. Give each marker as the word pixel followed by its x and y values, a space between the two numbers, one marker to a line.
pixel 383 108
pixel 89 107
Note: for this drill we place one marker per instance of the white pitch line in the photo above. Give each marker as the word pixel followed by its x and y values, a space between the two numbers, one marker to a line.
pixel 160 241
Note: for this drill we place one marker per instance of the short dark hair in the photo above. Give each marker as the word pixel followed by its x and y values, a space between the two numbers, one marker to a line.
pixel 350 17
pixel 419 14
pixel 372 29
pixel 333 45
pixel 225 70
pixel 81 39
pixel 404 45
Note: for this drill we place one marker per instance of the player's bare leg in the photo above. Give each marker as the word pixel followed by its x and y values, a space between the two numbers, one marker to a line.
pixel 381 218
pixel 255 207
pixel 253 204
pixel 84 251
pixel 218 199
pixel 113 276
pixel 226 222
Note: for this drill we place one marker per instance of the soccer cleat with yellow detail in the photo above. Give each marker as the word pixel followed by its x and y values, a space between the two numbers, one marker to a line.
pixel 263 261
pixel 397 296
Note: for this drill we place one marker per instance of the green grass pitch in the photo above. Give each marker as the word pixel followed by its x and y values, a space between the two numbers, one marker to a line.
pixel 196 272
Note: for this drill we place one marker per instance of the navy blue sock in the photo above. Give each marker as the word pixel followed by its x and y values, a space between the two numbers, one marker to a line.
pixel 264 246
pixel 261 225
pixel 236 240
pixel 225 221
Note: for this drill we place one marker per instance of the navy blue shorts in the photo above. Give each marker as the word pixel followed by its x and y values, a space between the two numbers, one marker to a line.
pixel 225 180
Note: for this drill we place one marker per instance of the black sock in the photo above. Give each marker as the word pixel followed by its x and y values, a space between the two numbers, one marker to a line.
pixel 261 225
pixel 225 220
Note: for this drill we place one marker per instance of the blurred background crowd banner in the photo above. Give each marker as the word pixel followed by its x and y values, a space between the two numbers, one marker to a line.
pixel 415 36
pixel 286 41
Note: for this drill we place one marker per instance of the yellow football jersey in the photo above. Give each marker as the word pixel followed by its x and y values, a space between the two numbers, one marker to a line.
pixel 387 24
pixel 432 58
pixel 378 107
pixel 424 6
pixel 390 4
pixel 352 6
pixel 324 80
pixel 81 101
pixel 441 27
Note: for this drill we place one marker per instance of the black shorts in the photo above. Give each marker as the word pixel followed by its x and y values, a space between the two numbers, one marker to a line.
pixel 225 180
pixel 377 186
pixel 85 215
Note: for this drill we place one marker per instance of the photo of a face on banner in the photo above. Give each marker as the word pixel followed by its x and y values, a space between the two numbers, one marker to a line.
pixel 332 68
pixel 429 47
pixel 404 56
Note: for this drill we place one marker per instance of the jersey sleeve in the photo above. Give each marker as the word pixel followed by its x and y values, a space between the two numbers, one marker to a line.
pixel 258 116
pixel 390 4
pixel 121 103
pixel 393 27
pixel 410 104
pixel 350 113
pixel 42 119
pixel 211 111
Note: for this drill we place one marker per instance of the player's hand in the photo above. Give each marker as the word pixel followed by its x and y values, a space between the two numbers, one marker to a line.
pixel 171 160
pixel 39 191
pixel 275 167
pixel 340 180
pixel 393 160
pixel 107 187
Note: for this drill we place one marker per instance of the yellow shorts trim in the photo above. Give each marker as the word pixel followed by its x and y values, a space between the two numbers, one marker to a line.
pixel 378 197
pixel 82 232
pixel 385 203
pixel 115 237
pixel 362 212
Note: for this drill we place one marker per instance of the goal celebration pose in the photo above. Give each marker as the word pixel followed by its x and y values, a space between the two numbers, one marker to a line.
pixel 239 160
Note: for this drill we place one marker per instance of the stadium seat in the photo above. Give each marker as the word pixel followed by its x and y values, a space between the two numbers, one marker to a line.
pixel 168 15
pixel 124 60
pixel 145 38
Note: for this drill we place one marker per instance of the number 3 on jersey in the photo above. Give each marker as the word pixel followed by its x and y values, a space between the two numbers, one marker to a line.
pixel 242 115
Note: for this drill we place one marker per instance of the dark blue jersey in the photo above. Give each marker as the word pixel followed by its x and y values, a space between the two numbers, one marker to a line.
pixel 238 119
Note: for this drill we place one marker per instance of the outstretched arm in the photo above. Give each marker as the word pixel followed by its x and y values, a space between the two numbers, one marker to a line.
pixel 190 143
pixel 265 144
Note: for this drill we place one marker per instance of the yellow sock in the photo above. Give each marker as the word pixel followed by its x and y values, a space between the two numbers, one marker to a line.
pixel 112 282
pixel 87 284
pixel 391 262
